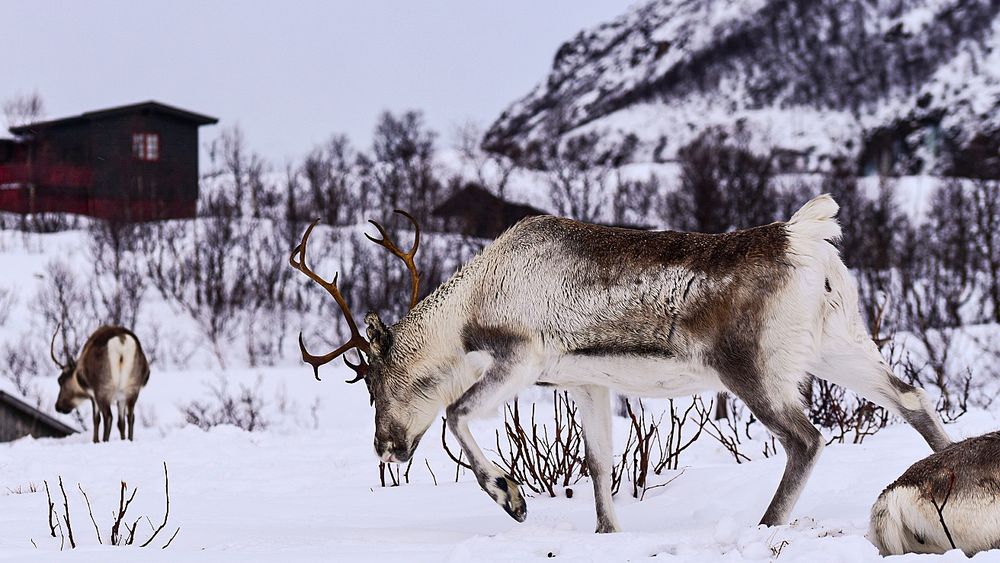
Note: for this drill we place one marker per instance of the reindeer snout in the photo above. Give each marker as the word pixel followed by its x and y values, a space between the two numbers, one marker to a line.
pixel 63 408
pixel 392 451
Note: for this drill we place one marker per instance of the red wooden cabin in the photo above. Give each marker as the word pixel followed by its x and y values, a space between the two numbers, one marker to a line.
pixel 129 163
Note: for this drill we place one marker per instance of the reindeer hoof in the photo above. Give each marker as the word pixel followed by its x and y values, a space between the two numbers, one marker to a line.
pixel 508 495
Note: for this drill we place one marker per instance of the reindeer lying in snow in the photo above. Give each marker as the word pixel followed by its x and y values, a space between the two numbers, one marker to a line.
pixel 948 500
pixel 589 308
pixel 112 368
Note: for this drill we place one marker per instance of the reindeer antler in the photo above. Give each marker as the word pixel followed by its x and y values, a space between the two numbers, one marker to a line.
pixel 407 257
pixel 52 347
pixel 298 261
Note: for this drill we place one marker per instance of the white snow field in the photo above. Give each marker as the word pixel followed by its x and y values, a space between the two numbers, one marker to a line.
pixel 307 489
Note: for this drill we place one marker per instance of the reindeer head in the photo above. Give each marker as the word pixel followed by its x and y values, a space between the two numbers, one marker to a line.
pixel 403 412
pixel 71 393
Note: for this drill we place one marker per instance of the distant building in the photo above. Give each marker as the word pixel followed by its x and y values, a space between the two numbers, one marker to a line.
pixel 475 212
pixel 19 419
pixel 132 163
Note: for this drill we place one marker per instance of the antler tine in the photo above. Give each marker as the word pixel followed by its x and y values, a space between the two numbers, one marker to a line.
pixel 298 261
pixel 52 347
pixel 407 257
pixel 359 368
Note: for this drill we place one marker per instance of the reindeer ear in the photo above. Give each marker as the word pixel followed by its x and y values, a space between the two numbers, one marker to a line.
pixel 378 334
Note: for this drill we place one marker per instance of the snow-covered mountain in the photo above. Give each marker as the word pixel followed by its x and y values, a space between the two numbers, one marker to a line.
pixel 906 86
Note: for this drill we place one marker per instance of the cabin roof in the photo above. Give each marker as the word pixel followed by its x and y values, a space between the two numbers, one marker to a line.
pixel 148 107
pixel 474 199
pixel 56 426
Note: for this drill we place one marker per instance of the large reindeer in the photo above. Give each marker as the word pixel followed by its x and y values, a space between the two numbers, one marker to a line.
pixel 589 308
pixel 945 501
pixel 112 368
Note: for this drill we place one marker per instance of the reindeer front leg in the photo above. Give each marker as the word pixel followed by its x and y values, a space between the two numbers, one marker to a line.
pixel 97 420
pixel 500 381
pixel 594 403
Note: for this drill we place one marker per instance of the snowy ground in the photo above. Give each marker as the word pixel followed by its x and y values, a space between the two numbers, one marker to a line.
pixel 313 494
pixel 307 488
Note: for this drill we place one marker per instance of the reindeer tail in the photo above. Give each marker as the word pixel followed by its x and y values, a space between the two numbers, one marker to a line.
pixel 816 220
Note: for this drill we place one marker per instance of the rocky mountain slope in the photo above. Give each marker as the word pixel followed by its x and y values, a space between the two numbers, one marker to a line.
pixel 901 86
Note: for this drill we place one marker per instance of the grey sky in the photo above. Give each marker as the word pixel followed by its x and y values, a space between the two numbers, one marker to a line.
pixel 290 73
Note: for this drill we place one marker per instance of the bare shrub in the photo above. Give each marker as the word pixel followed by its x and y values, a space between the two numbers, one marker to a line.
pixel 23 109
pixel 938 285
pixel 31 487
pixel 271 296
pixel 983 204
pixel 8 298
pixel 399 172
pixel 392 474
pixel 19 363
pixel 632 200
pixel 200 278
pixel 650 446
pixel 492 171
pixel 118 284
pixel 636 458
pixel 239 172
pixel 724 186
pixel 330 175
pixel 216 267
pixel 887 239
pixel 243 408
pixel 580 173
pixel 46 222
pixel 845 414
pixel 546 456
pixel 726 433
pixel 372 279
pixel 671 443
pixel 842 184
pixel 542 458
pixel 122 533
pixel 62 304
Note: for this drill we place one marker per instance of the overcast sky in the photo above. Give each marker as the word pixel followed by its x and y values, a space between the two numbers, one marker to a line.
pixel 290 73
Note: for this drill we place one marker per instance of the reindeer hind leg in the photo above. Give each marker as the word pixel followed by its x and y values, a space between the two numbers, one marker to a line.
pixel 781 410
pixel 131 418
pixel 861 368
pixel 106 416
pixel 122 409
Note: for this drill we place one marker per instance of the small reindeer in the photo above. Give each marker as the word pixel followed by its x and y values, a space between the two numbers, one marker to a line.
pixel 589 308
pixel 951 499
pixel 111 369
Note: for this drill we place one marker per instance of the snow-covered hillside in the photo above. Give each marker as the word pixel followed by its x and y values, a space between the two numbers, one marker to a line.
pixel 306 488
pixel 822 79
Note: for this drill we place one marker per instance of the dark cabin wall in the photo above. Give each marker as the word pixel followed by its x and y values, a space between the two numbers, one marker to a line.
pixel 85 165
pixel 60 162
pixel 66 144
pixel 15 424
pixel 119 175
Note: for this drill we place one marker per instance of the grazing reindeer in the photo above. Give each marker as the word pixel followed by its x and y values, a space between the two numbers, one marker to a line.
pixel 111 368
pixel 948 500
pixel 589 308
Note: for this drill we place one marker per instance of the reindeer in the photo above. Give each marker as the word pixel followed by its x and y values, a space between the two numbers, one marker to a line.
pixel 945 501
pixel 590 309
pixel 111 368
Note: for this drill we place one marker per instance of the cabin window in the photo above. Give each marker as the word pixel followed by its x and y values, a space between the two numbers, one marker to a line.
pixel 146 146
